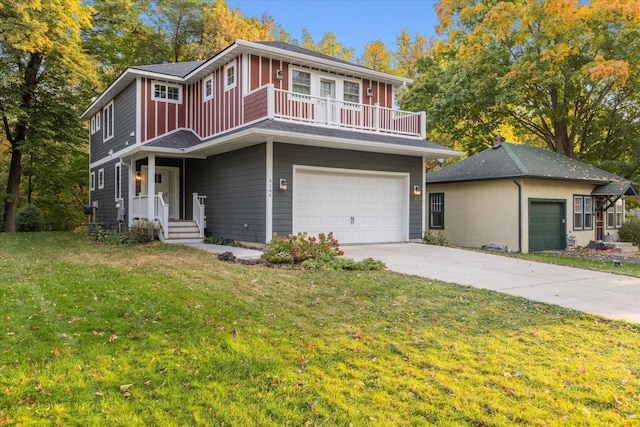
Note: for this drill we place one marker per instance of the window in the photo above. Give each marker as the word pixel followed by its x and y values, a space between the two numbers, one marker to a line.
pixel 107 117
pixel 100 179
pixel 436 210
pixel 118 181
pixel 582 213
pixel 301 82
pixel 92 181
pixel 615 215
pixel 98 121
pixel 166 92
pixel 208 88
pixel 351 92
pixel 93 125
pixel 230 75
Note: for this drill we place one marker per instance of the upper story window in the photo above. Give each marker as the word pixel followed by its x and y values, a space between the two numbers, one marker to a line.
pixel 93 125
pixel 166 92
pixel 301 82
pixel 230 75
pixel 107 117
pixel 351 91
pixel 98 121
pixel 207 88
pixel 92 181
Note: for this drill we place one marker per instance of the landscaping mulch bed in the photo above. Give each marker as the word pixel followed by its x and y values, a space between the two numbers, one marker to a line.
pixel 599 254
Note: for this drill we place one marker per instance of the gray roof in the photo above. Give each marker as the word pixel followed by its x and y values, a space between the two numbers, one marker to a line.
pixel 177 69
pixel 302 51
pixel 512 161
pixel 186 139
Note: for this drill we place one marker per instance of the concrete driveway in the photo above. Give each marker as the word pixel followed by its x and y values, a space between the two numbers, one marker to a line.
pixel 607 295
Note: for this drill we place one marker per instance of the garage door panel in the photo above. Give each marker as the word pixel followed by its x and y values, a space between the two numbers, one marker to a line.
pixel 546 225
pixel 356 207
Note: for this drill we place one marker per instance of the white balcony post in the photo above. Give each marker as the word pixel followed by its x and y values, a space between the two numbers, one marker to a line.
pixel 423 124
pixel 328 110
pixel 151 188
pixel 376 116
pixel 271 104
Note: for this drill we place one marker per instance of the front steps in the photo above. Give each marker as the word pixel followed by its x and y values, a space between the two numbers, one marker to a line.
pixel 624 247
pixel 183 232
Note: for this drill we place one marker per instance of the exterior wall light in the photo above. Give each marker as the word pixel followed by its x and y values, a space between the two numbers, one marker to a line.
pixel 369 92
pixel 279 75
pixel 283 184
pixel 138 176
pixel 417 191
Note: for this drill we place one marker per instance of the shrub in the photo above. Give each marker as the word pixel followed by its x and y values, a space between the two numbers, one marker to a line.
pixel 299 248
pixel 110 237
pixel 219 241
pixel 435 238
pixel 143 231
pixel 29 218
pixel 630 231
pixel 333 264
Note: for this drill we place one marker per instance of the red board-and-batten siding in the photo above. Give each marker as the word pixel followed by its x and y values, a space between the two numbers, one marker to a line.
pixel 225 110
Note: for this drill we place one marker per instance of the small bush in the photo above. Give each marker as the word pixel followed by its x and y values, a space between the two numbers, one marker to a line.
pixel 109 237
pixel 29 218
pixel 219 241
pixel 299 248
pixel 630 231
pixel 334 264
pixel 435 238
pixel 143 231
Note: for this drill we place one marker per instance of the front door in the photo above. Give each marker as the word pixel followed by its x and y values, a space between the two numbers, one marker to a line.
pixel 327 109
pixel 167 182
pixel 599 220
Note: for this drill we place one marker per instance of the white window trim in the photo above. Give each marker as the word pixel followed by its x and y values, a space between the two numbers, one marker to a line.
pixel 93 125
pixel 100 178
pixel 227 85
pixel 580 213
pixel 166 85
pixel 359 83
pixel 92 181
pixel 111 117
pixel 313 86
pixel 117 180
pixel 98 121
pixel 204 88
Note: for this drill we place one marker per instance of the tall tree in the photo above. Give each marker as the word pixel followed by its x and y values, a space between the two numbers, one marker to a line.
pixel 42 68
pixel 376 56
pixel 556 69
pixel 181 24
pixel 328 45
pixel 408 51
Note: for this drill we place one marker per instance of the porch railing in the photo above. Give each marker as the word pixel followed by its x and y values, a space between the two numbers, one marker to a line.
pixel 334 112
pixel 139 207
pixel 162 215
pixel 198 212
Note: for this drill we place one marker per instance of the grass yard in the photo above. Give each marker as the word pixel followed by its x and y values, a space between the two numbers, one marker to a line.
pixel 162 335
pixel 605 265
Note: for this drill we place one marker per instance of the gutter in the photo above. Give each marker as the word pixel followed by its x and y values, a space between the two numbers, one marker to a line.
pixel 519 214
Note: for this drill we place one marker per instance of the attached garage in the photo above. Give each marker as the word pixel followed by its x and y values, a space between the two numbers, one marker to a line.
pixel 547 224
pixel 357 206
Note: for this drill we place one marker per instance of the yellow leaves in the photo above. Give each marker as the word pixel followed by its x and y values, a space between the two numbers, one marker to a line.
pixel 602 69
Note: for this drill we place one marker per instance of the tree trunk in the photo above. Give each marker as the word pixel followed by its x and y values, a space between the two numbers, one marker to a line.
pixel 13 191
pixel 564 145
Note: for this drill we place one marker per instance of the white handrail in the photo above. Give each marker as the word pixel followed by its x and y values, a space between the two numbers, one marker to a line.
pixel 198 212
pixel 139 207
pixel 162 215
pixel 334 112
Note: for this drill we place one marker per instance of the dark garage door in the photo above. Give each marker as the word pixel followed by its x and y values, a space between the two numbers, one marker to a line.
pixel 546 225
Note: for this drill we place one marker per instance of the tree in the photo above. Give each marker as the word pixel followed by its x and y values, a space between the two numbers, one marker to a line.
pixel 328 45
pixel 565 72
pixel 42 71
pixel 376 56
pixel 181 24
pixel 408 52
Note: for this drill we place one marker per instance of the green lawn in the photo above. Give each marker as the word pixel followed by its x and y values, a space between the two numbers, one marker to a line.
pixel 167 335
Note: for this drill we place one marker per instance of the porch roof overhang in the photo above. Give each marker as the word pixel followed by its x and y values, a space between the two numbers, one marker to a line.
pixel 624 188
pixel 184 143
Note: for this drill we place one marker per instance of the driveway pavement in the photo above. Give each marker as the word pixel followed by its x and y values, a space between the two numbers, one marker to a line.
pixel 607 295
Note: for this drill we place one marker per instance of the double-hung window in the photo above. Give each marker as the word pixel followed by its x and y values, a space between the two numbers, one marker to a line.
pixel 615 215
pixel 582 213
pixel 92 181
pixel 230 75
pixel 301 82
pixel 208 88
pixel 436 210
pixel 351 91
pixel 107 117
pixel 100 179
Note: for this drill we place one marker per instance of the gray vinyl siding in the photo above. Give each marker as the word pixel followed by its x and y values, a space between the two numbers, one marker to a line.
pixel 287 155
pixel 106 197
pixel 234 184
pixel 124 115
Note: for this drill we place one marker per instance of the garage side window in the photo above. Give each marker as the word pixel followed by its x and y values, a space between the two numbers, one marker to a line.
pixel 582 213
pixel 436 210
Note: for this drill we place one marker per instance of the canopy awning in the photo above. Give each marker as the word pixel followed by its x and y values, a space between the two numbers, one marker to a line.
pixel 624 188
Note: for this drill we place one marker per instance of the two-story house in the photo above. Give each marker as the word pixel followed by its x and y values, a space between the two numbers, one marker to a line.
pixel 263 138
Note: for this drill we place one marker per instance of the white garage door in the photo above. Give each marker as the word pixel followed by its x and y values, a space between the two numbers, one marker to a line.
pixel 359 207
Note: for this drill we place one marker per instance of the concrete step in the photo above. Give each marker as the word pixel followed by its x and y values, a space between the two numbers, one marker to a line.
pixel 624 247
pixel 183 232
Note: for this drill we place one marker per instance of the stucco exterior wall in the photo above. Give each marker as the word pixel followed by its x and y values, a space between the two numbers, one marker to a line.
pixel 479 213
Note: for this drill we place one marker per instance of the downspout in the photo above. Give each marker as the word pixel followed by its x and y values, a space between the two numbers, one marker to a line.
pixel 519 215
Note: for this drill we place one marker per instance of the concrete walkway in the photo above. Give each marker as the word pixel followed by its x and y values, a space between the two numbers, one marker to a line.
pixel 607 295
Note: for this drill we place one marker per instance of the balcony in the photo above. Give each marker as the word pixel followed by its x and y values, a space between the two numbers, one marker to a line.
pixel 278 104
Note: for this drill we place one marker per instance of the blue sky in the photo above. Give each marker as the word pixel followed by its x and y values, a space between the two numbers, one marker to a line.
pixel 354 22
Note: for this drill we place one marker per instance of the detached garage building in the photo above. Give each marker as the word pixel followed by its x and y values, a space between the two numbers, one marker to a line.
pixel 526 198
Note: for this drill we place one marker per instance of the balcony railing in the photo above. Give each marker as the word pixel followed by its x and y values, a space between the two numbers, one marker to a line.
pixel 291 106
